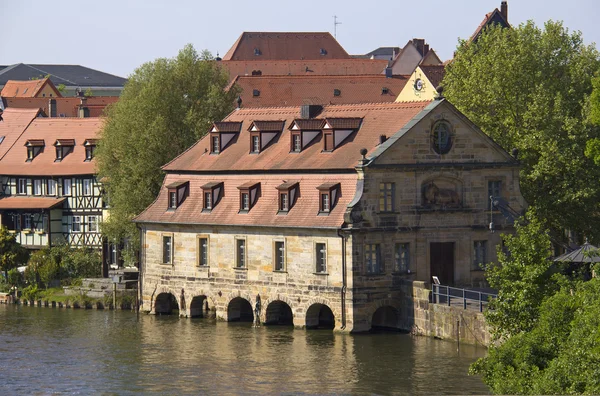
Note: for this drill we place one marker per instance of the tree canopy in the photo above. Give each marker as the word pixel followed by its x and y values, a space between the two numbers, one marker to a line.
pixel 11 252
pixel 165 107
pixel 528 88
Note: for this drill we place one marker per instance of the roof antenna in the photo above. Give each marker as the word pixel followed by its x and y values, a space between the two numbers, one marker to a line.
pixel 335 23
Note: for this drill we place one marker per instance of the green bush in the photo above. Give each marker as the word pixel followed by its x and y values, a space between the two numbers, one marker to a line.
pixel 15 278
pixel 31 292
pixel 64 263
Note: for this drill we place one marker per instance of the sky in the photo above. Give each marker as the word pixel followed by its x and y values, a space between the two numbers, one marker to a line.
pixel 116 36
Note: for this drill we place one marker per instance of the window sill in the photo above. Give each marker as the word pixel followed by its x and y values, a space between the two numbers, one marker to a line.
pixel 206 210
pixel 12 231
pixel 40 232
pixel 282 212
pixel 280 271
pixel 171 264
pixel 171 209
pixel 243 211
pixel 374 275
pixel 320 273
pixel 321 213
pixel 241 268
pixel 26 231
pixel 203 267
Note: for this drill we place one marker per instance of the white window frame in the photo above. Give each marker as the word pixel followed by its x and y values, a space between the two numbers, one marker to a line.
pixel 243 259
pixel 67 190
pixel 51 187
pixel 92 223
pixel 74 222
pixel 324 265
pixel 37 186
pixel 87 187
pixel 200 260
pixel 22 186
pixel 279 253
pixel 171 245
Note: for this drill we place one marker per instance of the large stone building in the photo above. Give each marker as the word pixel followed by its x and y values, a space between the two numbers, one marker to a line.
pixel 325 214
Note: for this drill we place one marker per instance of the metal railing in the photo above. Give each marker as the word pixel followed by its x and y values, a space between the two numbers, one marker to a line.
pixel 470 299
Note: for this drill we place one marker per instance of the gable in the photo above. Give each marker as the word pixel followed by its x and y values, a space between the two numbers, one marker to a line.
pixel 407 60
pixel 417 90
pixel 413 144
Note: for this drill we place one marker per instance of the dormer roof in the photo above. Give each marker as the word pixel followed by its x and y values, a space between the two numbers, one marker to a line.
pixel 227 127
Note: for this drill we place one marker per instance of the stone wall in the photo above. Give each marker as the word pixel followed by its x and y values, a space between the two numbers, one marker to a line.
pixel 298 285
pixel 445 322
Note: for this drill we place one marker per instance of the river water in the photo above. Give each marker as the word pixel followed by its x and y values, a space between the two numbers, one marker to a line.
pixel 52 350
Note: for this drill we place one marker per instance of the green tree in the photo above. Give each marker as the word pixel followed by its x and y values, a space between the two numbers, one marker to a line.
pixel 559 355
pixel 88 92
pixel 523 279
pixel 61 88
pixel 11 252
pixel 165 107
pixel 593 146
pixel 528 88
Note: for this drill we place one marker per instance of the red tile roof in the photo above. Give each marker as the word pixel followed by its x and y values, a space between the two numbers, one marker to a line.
pixel 304 213
pixel 14 124
pixel 297 90
pixel 50 130
pixel 16 202
pixel 435 74
pixel 285 46
pixel 68 107
pixel 310 67
pixel 26 89
pixel 377 119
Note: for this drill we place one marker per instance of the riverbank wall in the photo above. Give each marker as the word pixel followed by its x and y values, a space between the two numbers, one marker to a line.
pixel 76 303
pixel 444 322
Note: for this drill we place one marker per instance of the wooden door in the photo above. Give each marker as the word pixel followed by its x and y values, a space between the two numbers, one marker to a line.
pixel 441 258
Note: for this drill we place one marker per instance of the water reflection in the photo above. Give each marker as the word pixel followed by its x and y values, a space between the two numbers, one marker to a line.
pixel 77 351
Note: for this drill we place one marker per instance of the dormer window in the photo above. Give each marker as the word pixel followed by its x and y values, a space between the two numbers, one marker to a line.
pixel 328 196
pixel 303 132
pixel 262 133
pixel 211 195
pixel 90 149
pixel 257 52
pixel 249 193
pixel 63 148
pixel 34 147
pixel 337 130
pixel 288 194
pixel 177 193
pixel 323 52
pixel 222 134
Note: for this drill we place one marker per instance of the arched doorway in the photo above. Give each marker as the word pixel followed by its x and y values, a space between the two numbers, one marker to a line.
pixel 319 316
pixel 239 310
pixel 279 313
pixel 198 307
pixel 166 304
pixel 385 318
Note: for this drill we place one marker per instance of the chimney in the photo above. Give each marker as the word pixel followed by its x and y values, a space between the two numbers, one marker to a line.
pixel 504 9
pixel 310 111
pixel 382 139
pixel 389 72
pixel 419 44
pixel 52 108
pixel 425 49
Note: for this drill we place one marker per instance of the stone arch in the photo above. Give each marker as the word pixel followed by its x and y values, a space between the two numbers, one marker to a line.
pixel 272 298
pixel 166 303
pixel 386 314
pixel 320 316
pixel 198 306
pixel 239 309
pixel 278 312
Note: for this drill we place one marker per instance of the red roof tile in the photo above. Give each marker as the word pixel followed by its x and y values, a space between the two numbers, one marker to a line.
pixel 377 119
pixel 223 126
pixel 344 123
pixel 50 130
pixel 309 67
pixel 297 90
pixel 435 74
pixel 14 124
pixel 285 46
pixel 304 213
pixel 65 107
pixel 26 89
pixel 267 126
pixel 16 202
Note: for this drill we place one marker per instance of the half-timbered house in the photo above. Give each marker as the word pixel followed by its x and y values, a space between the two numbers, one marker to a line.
pixel 50 193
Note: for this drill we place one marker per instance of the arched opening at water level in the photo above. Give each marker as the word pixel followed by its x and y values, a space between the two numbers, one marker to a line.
pixel 239 310
pixel 166 304
pixel 319 316
pixel 199 307
pixel 279 313
pixel 385 318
